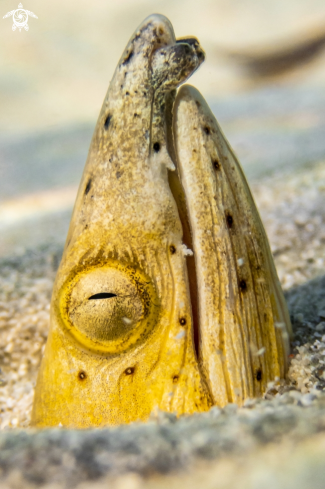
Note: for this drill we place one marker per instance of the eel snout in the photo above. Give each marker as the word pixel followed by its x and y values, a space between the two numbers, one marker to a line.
pixel 176 63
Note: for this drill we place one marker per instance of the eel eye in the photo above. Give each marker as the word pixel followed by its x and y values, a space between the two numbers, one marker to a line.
pixel 102 295
pixel 107 321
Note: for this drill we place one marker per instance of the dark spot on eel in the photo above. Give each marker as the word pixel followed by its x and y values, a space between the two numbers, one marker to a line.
pixel 88 186
pixel 156 147
pixel 243 285
pixel 207 130
pixel 229 220
pixel 82 375
pixel 259 375
pixel 175 379
pixel 128 57
pixel 182 321
pixel 216 164
pixel 129 371
pixel 172 249
pixel 107 121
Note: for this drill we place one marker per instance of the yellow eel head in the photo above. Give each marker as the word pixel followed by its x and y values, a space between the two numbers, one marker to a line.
pixel 166 296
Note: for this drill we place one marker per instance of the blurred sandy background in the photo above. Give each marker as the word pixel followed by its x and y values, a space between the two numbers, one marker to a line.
pixel 264 77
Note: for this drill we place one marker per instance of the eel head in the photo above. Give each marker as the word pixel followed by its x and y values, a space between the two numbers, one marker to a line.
pixel 148 308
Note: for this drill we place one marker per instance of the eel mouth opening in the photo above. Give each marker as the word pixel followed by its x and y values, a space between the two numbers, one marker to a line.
pixel 180 199
pixel 179 196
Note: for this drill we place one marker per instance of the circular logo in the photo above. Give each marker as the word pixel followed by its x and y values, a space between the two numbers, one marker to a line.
pixel 20 17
